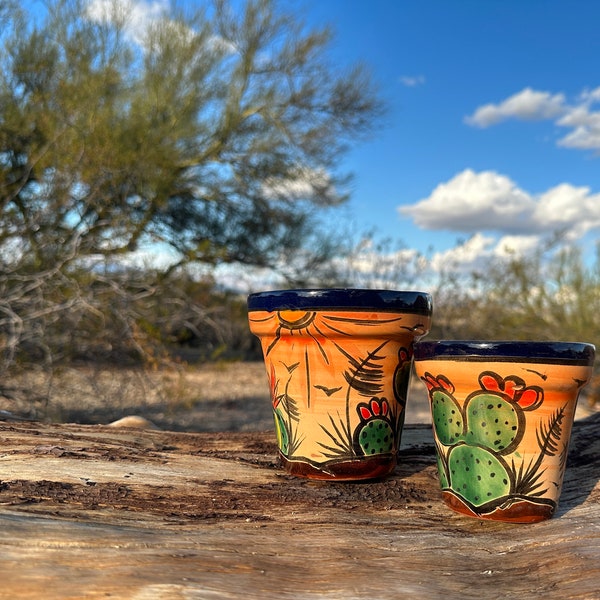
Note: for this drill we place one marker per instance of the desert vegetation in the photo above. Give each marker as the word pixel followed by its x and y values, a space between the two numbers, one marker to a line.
pixel 207 139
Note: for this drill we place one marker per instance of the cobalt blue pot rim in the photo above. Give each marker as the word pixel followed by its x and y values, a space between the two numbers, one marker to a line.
pixel 342 299
pixel 556 352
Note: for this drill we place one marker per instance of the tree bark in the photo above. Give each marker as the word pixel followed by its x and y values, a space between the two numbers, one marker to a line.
pixel 91 512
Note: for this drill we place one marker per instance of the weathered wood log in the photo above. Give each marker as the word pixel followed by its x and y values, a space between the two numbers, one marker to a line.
pixel 95 512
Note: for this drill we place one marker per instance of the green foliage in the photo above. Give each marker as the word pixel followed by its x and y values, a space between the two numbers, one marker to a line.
pixel 216 133
pixel 219 135
pixel 549 296
pixel 553 295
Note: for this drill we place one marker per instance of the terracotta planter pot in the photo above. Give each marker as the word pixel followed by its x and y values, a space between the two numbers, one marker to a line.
pixel 338 363
pixel 502 414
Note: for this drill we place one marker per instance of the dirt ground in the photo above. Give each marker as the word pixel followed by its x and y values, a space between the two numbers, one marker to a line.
pixel 205 398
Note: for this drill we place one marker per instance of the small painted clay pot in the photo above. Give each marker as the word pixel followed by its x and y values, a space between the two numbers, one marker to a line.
pixel 502 414
pixel 338 363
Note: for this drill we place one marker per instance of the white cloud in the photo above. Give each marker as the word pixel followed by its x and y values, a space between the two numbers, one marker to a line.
pixel 474 253
pixel 221 45
pixel 159 256
pixel 476 248
pixel 590 96
pixel 585 124
pixel 565 207
pixel 474 201
pixel 516 245
pixel 370 259
pixel 412 81
pixel 528 105
pixel 136 15
pixel 302 184
pixel 487 201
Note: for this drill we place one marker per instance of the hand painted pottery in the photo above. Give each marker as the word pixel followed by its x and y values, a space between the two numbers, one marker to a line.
pixel 502 414
pixel 338 363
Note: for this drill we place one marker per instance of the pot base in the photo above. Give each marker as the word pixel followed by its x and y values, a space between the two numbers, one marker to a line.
pixel 521 510
pixel 375 467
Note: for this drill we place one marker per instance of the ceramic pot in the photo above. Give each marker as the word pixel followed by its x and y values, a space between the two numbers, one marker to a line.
pixel 502 414
pixel 338 363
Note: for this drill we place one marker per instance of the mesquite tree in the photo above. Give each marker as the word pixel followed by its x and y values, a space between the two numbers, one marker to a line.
pixel 216 132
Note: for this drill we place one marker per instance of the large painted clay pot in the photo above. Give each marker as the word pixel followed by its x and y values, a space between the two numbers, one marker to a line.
pixel 338 363
pixel 502 414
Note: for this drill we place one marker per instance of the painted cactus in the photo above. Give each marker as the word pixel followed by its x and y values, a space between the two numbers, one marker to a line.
pixel 375 433
pixel 502 413
pixel 474 439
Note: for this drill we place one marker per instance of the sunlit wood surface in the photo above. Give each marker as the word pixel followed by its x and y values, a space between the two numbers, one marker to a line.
pixel 100 512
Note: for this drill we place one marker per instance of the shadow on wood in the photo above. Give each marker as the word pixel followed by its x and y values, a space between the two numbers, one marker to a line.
pixel 89 511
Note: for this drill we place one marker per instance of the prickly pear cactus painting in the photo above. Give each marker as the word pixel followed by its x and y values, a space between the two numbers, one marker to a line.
pixel 375 434
pixel 338 384
pixel 484 467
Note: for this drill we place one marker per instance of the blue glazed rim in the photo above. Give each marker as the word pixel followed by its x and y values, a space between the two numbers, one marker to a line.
pixel 572 353
pixel 343 299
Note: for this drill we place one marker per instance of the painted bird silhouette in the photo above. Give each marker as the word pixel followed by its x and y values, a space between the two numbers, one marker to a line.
pixel 328 391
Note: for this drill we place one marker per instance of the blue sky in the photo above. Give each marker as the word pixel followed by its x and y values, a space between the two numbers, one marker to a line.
pixel 492 136
pixel 493 127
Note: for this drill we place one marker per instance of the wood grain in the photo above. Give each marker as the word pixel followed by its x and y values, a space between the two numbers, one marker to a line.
pixel 97 512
